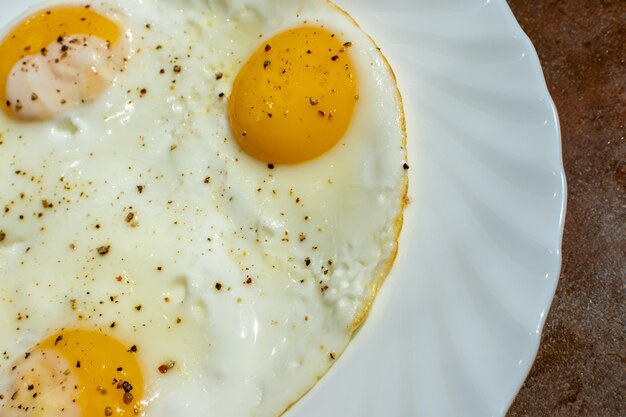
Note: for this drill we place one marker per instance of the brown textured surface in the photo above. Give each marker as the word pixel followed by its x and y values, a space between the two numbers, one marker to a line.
pixel 581 367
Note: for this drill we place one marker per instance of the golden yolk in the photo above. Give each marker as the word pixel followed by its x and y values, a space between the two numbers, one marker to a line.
pixel 294 98
pixel 83 372
pixel 37 32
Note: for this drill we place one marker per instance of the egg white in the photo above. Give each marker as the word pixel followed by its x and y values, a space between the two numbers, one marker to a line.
pixel 156 175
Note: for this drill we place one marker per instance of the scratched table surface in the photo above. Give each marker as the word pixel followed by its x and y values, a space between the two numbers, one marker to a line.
pixel 581 366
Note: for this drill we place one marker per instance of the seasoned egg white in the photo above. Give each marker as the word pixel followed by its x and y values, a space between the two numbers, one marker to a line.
pixel 234 282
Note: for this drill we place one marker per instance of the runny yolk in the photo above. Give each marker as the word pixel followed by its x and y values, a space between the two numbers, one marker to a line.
pixel 76 373
pixel 294 98
pixel 38 36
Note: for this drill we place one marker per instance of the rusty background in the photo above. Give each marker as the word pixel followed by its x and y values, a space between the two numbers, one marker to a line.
pixel 581 367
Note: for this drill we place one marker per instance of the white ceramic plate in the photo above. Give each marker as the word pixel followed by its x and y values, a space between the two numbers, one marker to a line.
pixel 456 327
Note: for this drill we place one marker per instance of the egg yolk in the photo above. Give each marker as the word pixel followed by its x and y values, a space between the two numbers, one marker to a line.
pixel 76 373
pixel 54 60
pixel 294 98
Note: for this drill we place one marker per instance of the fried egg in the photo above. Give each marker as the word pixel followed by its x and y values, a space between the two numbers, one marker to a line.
pixel 201 199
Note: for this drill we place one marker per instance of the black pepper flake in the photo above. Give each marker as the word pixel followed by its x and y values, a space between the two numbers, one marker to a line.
pixel 31 387
pixel 103 250
pixel 127 398
pixel 332 356
pixel 133 349
pixel 266 64
pixel 138 307
pixel 166 367
pixel 270 166
pixel 126 386
pixel 143 92
pixel 78 364
pixel 347 44
pixel 65 48
pixel 334 57
pixel 177 69
pixel 34 97
pixel 218 286
pixel 221 95
pixel 307 261
pixel 405 166
pixel 313 101
pixel 219 76
pixel 140 188
pixel 58 339
pixel 60 39
pixel 3 235
pixel 268 48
